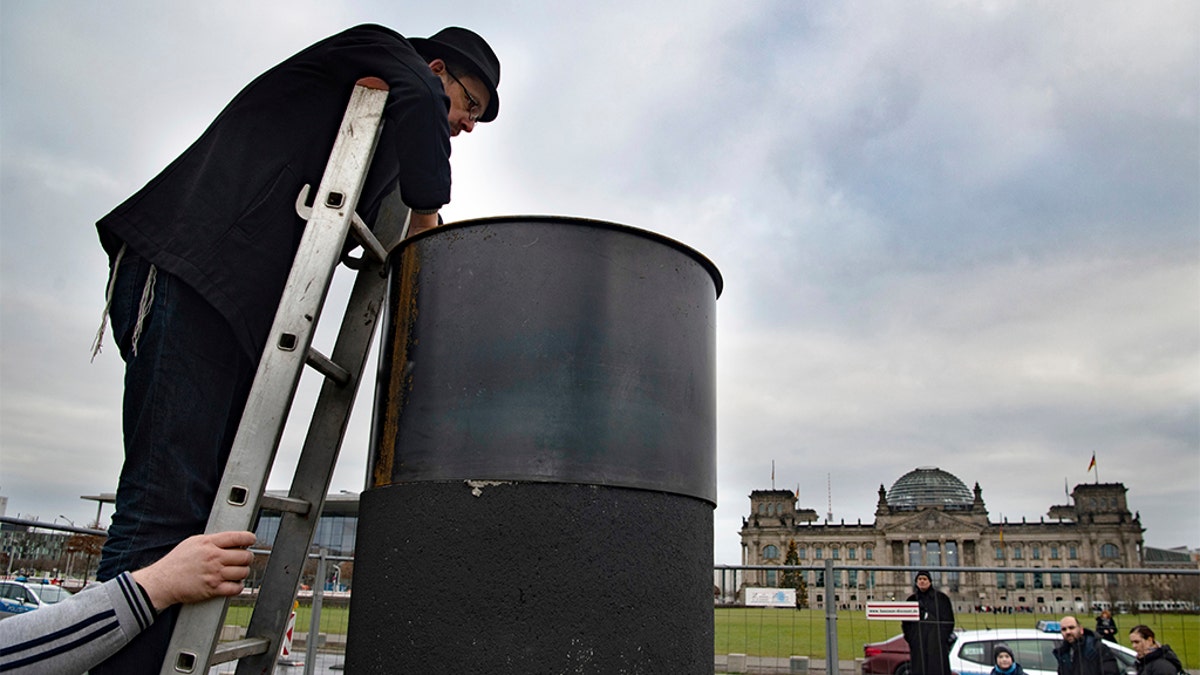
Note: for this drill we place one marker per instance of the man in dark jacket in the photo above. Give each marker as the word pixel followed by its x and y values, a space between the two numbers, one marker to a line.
pixel 1153 658
pixel 929 638
pixel 1082 652
pixel 200 255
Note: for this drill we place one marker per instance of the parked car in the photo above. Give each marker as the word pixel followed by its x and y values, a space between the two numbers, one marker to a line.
pixel 889 657
pixel 972 653
pixel 17 597
pixel 1032 648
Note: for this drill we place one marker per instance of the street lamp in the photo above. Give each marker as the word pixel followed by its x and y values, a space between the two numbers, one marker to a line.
pixel 66 519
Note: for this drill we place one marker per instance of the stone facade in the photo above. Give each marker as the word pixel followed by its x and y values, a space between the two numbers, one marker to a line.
pixel 930 519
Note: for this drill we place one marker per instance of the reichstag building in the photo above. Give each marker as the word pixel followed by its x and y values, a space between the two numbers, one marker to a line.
pixel 930 518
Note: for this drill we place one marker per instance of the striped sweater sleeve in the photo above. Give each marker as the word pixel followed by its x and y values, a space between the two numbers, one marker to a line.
pixel 77 633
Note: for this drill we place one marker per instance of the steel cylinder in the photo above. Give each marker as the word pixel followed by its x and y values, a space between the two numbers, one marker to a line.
pixel 543 467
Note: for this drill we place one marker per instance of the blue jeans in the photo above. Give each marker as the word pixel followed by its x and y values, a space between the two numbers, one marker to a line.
pixel 185 389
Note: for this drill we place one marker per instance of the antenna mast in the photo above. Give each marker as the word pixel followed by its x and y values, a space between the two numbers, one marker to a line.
pixel 829 497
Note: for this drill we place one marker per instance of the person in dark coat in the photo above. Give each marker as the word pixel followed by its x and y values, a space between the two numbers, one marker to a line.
pixel 929 638
pixel 1153 658
pixel 1106 628
pixel 1082 652
pixel 1006 663
pixel 200 255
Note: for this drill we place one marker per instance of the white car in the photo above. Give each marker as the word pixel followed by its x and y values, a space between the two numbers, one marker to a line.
pixel 1033 649
pixel 17 597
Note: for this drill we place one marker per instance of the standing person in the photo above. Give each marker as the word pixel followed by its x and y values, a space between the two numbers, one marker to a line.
pixel 1106 627
pixel 1083 652
pixel 1153 658
pixel 929 638
pixel 200 255
pixel 1006 663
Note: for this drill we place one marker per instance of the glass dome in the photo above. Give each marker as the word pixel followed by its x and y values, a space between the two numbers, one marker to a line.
pixel 929 486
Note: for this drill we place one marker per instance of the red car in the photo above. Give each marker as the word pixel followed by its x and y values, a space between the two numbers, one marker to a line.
pixel 889 657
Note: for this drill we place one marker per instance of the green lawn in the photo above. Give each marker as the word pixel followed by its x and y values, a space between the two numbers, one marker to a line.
pixel 783 632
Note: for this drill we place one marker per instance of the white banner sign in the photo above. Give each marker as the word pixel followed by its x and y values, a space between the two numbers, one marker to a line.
pixel 905 611
pixel 771 597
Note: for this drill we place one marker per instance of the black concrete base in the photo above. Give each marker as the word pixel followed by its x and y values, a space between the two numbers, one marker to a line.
pixel 531 578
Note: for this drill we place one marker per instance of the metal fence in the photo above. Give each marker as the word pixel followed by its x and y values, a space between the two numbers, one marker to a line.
pixel 830 631
pixel 830 634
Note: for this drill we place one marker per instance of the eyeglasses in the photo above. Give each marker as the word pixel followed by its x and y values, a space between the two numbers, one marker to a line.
pixel 475 111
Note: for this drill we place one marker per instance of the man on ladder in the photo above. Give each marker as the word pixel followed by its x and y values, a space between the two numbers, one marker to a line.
pixel 200 255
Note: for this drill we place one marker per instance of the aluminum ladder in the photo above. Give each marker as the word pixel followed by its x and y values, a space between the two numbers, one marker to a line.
pixel 194 646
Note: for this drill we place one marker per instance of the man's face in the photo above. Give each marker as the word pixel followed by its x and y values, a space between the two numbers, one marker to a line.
pixel 923 583
pixel 1071 630
pixel 1140 644
pixel 468 96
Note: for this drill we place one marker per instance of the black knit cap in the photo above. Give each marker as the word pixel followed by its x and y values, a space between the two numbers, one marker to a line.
pixel 1002 649
pixel 466 48
pixel 923 573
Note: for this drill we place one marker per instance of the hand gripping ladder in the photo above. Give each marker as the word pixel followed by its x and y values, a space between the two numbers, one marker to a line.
pixel 194 644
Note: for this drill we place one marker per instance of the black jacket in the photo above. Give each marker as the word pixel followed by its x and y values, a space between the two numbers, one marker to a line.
pixel 930 638
pixel 1160 661
pixel 1086 656
pixel 221 216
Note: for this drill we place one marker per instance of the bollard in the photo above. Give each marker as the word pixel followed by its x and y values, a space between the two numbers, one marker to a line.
pixel 798 665
pixel 542 481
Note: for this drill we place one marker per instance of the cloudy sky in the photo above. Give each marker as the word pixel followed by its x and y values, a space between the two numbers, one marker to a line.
pixel 957 234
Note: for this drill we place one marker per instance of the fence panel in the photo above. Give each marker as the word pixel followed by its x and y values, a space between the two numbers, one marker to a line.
pixel 832 617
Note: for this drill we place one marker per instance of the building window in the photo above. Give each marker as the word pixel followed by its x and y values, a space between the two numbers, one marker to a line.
pixel 772 577
pixel 1056 580
pixel 802 552
pixel 1020 579
pixel 819 553
pixel 771 553
pixel 914 554
pixel 933 556
pixel 1016 553
pixel 1037 552
pixel 1075 581
pixel 1038 581
pixel 761 509
pixel 1109 551
pixel 1114 580
pixel 1072 553
pixel 999 553
pixel 871 578
pixel 1054 553
pixel 852 553
pixel 852 578
pixel 837 553
pixel 869 552
pixel 1001 580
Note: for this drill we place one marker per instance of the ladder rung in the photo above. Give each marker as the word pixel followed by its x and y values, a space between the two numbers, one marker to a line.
pixel 285 504
pixel 231 651
pixel 367 238
pixel 322 364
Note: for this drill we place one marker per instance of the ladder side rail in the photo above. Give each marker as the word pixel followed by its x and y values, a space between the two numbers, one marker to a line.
pixel 314 471
pixel 237 500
